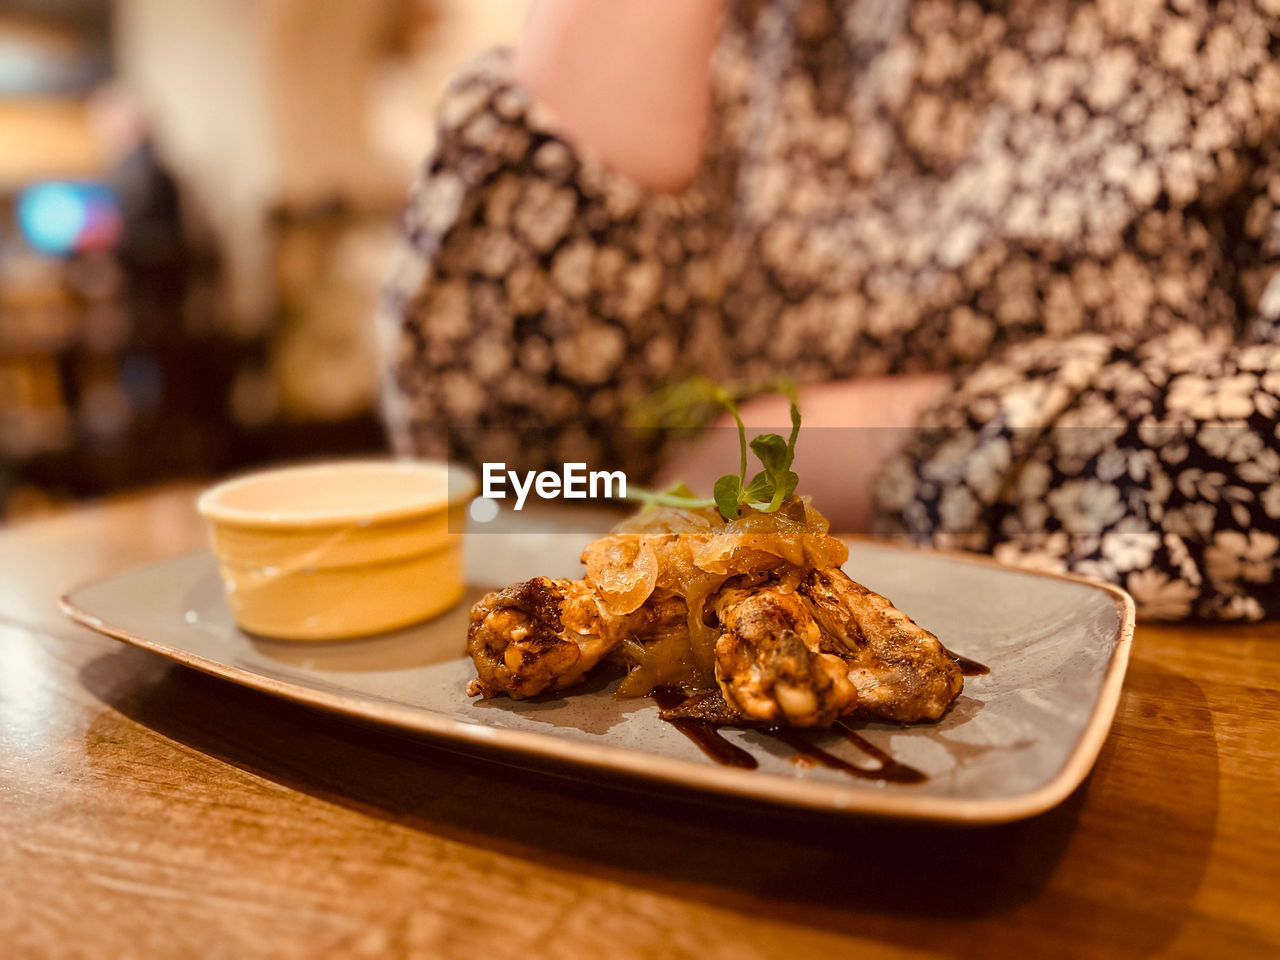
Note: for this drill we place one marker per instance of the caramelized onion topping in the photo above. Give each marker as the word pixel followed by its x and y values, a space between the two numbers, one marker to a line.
pixel 691 554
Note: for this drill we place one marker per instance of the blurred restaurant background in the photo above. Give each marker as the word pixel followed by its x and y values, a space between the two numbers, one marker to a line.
pixel 198 201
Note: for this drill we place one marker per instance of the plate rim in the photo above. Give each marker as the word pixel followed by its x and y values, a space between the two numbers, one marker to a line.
pixel 808 794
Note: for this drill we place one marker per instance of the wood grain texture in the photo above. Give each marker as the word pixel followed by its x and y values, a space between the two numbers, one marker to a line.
pixel 150 811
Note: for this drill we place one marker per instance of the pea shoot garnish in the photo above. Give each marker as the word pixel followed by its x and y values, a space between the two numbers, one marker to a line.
pixel 764 492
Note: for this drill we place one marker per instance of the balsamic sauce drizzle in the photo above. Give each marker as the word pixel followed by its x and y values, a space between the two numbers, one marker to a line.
pixel 809 754
pixel 889 769
pixel 704 734
pixel 707 736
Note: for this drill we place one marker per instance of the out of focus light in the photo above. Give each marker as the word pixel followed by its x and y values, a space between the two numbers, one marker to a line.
pixel 483 510
pixel 52 217
pixel 59 218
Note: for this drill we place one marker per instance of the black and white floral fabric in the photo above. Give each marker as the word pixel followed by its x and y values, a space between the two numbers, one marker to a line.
pixel 1072 207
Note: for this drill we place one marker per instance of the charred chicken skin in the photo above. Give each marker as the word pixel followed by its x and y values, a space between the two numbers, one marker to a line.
pixel 547 634
pixel 756 612
pixel 769 663
pixel 901 671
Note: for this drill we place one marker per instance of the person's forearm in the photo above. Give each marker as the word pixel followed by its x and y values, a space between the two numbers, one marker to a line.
pixel 626 79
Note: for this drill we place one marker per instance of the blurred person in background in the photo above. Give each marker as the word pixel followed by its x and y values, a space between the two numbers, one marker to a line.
pixel 1039 238
pixel 174 378
pixel 152 246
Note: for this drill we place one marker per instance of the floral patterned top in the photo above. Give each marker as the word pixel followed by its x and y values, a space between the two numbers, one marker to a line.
pixel 1072 206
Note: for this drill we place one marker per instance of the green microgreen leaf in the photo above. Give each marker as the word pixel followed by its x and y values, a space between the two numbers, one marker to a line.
pixel 665 498
pixel 772 451
pixel 768 489
pixel 727 401
pixel 728 495
pixel 760 488
pixel 776 455
pixel 677 496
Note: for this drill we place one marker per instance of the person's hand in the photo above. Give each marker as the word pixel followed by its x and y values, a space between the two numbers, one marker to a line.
pixel 629 80
pixel 851 429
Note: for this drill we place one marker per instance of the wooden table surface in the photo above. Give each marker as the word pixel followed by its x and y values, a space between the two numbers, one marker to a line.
pixel 147 810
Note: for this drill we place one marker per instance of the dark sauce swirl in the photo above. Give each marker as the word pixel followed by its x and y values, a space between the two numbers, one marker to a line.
pixel 706 735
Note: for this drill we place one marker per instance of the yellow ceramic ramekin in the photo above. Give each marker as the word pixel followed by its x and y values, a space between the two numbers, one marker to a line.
pixel 338 550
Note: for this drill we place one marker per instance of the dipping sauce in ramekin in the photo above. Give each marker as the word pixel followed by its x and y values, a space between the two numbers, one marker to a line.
pixel 338 550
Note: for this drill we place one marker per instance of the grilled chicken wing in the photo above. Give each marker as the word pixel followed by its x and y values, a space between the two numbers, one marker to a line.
pixel 753 616
pixel 768 663
pixel 546 634
pixel 900 669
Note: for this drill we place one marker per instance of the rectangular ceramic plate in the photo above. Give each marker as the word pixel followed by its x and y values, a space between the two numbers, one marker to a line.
pixel 1015 743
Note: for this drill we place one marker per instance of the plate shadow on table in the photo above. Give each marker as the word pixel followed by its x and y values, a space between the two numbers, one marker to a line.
pixel 860 877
